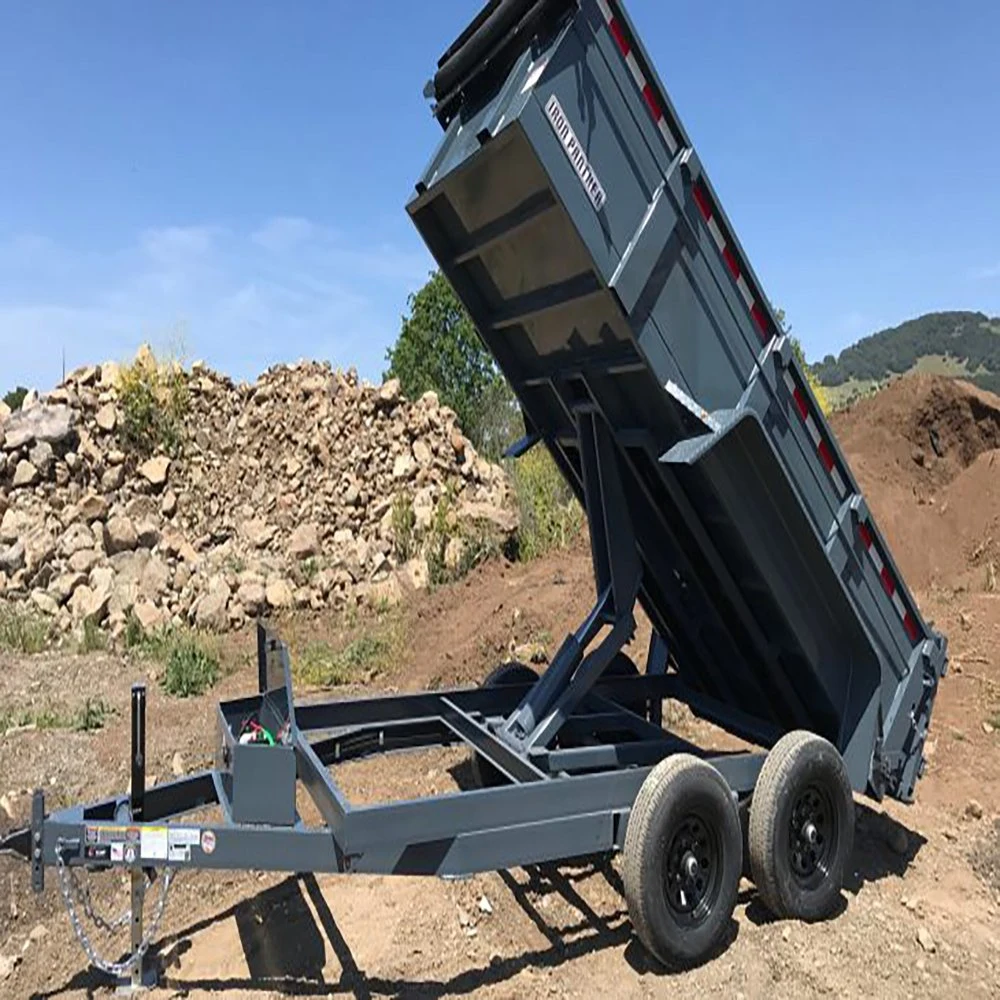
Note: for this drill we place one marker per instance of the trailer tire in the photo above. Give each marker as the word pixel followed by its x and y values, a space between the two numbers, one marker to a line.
pixel 801 831
pixel 484 773
pixel 682 861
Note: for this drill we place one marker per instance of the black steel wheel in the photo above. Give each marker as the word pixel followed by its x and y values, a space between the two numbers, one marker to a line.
pixel 682 861
pixel 483 772
pixel 801 827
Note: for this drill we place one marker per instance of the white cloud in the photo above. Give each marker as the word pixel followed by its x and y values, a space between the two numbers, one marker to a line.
pixel 176 246
pixel 285 289
pixel 283 232
pixel 987 273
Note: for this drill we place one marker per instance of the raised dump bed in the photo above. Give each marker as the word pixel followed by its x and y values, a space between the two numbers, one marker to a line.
pixel 569 210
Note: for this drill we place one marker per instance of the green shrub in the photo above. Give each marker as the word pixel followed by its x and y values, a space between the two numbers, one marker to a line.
pixel 86 718
pixel 190 668
pixel 15 397
pixel 134 635
pixel 23 630
pixel 153 398
pixel 93 640
pixel 91 715
pixel 404 522
pixel 549 513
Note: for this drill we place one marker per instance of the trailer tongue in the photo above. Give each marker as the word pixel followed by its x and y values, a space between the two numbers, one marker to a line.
pixel 571 214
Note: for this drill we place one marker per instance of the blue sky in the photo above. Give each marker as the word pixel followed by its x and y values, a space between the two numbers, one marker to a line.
pixel 230 176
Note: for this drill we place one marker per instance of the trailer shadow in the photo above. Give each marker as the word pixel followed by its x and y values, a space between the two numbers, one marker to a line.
pixel 286 930
pixel 883 848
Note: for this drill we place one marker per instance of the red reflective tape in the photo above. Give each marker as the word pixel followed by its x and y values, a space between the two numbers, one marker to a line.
pixel 866 535
pixel 734 267
pixel 654 104
pixel 800 401
pixel 703 205
pixel 911 627
pixel 826 456
pixel 616 30
pixel 759 318
pixel 888 584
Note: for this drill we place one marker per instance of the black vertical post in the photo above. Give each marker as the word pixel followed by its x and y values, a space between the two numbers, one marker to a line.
pixel 656 666
pixel 37 826
pixel 138 751
pixel 261 658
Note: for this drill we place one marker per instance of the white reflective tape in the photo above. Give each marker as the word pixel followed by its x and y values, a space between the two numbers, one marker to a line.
pixel 741 284
pixel 789 381
pixel 636 72
pixel 876 558
pixel 838 482
pixel 713 228
pixel 813 430
pixel 668 135
pixel 605 10
pixel 898 604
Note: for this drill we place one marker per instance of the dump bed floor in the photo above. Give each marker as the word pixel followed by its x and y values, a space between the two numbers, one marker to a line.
pixel 572 216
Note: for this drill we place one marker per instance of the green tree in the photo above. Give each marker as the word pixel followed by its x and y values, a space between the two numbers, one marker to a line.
pixel 800 356
pixel 439 348
pixel 15 397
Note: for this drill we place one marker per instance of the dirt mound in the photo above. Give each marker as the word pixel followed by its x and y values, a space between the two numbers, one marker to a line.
pixel 921 430
pixel 923 451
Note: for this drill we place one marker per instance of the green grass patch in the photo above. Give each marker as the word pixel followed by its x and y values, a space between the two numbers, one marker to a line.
pixel 86 718
pixel 190 664
pixel 358 659
pixel 550 515
pixel 23 631
pixel 92 639
pixel 91 715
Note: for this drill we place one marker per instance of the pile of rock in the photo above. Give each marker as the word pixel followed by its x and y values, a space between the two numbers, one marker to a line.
pixel 284 493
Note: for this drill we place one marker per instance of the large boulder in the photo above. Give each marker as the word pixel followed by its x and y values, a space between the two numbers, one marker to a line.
pixel 155 471
pixel 25 474
pixel 11 558
pixel 119 535
pixel 41 422
pixel 211 612
pixel 304 542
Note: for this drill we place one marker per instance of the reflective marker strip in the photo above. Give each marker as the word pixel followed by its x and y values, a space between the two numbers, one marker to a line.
pixel 888 583
pixel 812 428
pixel 732 263
pixel 618 33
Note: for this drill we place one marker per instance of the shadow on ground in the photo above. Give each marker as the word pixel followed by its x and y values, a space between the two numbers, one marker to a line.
pixel 286 948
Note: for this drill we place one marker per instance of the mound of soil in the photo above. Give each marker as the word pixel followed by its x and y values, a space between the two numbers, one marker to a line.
pixel 923 451
pixel 921 430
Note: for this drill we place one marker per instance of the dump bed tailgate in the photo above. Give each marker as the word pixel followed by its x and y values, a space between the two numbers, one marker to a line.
pixel 574 219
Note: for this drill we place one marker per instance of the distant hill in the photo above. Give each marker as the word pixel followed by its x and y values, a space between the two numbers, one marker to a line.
pixel 960 344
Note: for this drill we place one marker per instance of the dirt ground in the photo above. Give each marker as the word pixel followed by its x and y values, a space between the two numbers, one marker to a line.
pixel 921 910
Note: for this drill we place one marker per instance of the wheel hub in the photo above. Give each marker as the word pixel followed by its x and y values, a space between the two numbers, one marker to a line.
pixel 691 870
pixel 811 834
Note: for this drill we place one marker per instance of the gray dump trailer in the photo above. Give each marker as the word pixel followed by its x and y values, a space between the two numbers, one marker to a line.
pixel 575 221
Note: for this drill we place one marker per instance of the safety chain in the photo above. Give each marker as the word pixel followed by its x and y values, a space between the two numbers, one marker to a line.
pixel 69 886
